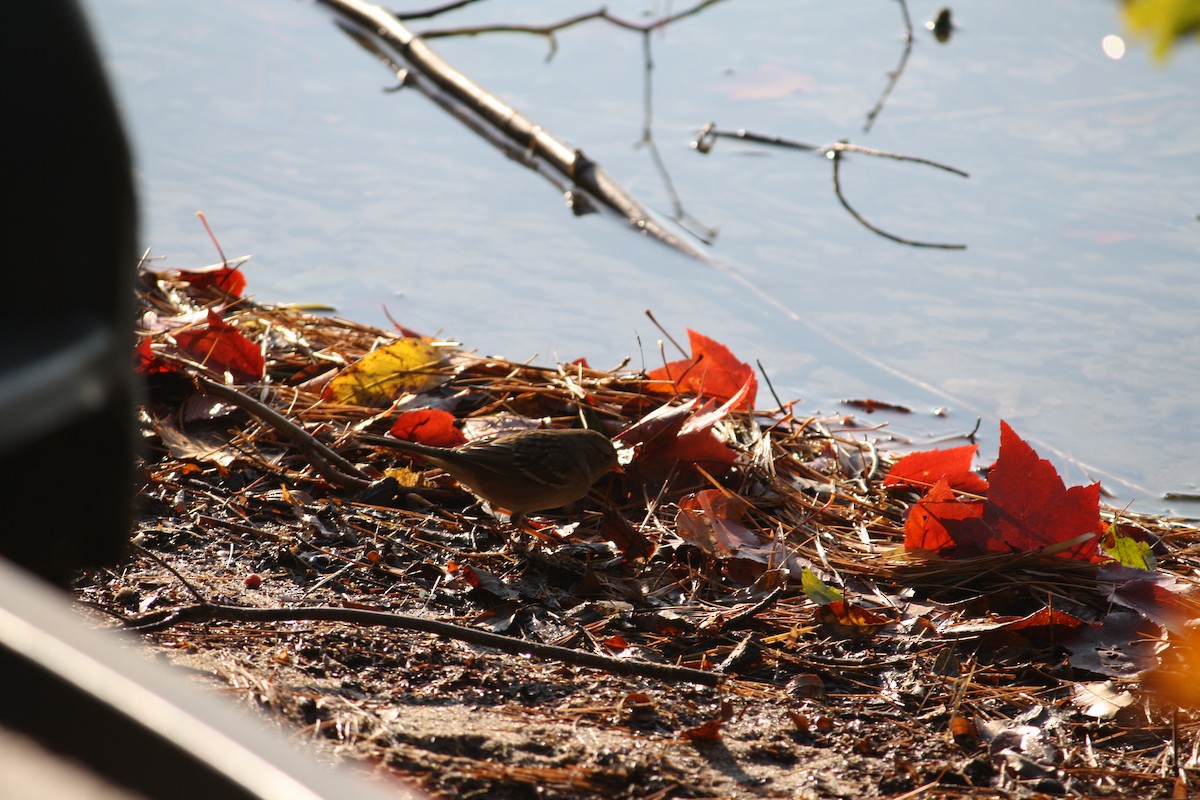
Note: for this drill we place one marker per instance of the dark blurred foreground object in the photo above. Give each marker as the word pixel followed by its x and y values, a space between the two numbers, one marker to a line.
pixel 66 385
pixel 83 713
pixel 83 697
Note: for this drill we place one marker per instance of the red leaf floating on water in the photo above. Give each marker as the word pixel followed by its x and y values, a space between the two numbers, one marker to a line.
pixel 712 371
pixel 430 426
pixel 222 347
pixel 922 470
pixel 1028 506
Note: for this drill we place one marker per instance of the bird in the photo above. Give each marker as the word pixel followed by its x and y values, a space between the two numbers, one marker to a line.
pixel 524 471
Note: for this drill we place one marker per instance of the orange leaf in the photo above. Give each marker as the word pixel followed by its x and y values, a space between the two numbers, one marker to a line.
pixel 430 426
pixel 711 730
pixel 709 519
pixel 222 347
pixel 850 619
pixel 1045 618
pixel 708 732
pixel 712 371
pixel 922 470
pixel 942 520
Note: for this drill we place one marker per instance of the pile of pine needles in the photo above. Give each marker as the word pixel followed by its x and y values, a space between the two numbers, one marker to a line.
pixel 274 477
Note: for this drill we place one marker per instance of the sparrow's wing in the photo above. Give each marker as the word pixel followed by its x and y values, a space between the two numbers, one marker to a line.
pixel 546 460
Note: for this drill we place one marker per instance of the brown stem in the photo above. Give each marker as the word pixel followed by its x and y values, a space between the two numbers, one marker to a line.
pixel 206 612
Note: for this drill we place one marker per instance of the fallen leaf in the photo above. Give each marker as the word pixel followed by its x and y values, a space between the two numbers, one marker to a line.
pixel 145 362
pixel 850 619
pixel 1119 646
pixel 1100 700
pixel 871 405
pixel 1045 618
pixel 1028 506
pixel 629 541
pixel 712 372
pixel 817 590
pixel 943 522
pixel 1157 596
pixel 204 444
pixel 673 436
pixel 222 348
pixel 963 729
pixel 616 642
pixel 226 277
pixel 923 469
pixel 709 519
pixel 407 365
pixel 708 732
pixel 431 426
pixel 711 730
pixel 1126 550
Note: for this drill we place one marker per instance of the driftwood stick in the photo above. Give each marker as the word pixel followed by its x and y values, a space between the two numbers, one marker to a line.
pixel 206 612
pixel 390 38
pixel 333 467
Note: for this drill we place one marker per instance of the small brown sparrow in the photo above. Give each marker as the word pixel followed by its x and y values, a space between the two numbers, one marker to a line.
pixel 530 470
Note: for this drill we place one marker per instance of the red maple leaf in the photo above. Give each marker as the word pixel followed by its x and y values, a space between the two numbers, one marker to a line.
pixel 145 362
pixel 430 426
pixel 226 277
pixel 712 371
pixel 222 347
pixel 671 437
pixel 1028 506
pixel 942 521
pixel 922 470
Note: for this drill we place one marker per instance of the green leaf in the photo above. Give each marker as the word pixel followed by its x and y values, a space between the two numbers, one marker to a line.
pixel 817 590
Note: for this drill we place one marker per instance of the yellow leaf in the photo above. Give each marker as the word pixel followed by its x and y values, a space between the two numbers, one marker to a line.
pixel 409 365
pixel 1127 550
pixel 1163 22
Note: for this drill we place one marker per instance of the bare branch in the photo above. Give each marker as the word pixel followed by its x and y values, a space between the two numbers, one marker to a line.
pixel 894 75
pixel 707 137
pixel 206 612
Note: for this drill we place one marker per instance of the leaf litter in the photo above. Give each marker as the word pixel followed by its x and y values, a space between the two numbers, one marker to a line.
pixel 770 604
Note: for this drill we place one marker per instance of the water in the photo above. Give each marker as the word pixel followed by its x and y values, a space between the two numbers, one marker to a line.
pixel 1072 314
